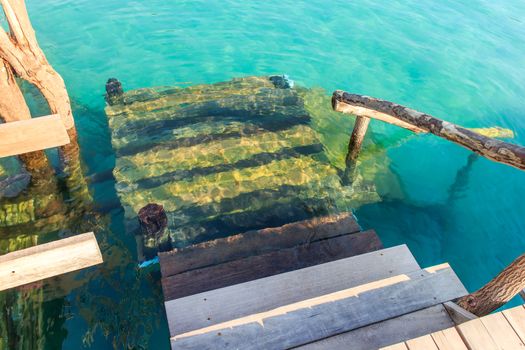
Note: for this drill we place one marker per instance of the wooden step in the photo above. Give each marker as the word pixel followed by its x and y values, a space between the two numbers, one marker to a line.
pixel 257 242
pixel 32 135
pixel 310 319
pixel 241 300
pixel 392 331
pixel 49 259
pixel 272 263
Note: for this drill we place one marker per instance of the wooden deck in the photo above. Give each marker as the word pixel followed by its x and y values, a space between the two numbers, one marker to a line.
pixel 48 260
pixel 498 331
pixel 303 285
pixel 32 135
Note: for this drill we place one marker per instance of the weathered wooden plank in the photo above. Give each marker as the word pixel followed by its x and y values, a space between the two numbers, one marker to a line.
pixel 476 336
pixel 502 332
pixel 317 318
pixel 516 318
pixel 220 305
pixel 49 259
pixel 424 342
pixel 32 135
pixel 487 147
pixel 254 267
pixel 387 332
pixel 449 339
pixel 255 243
pixel 457 313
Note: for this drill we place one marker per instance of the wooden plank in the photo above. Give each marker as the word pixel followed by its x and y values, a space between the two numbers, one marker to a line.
pixel 399 346
pixel 255 267
pixel 317 318
pixel 49 259
pixel 457 313
pixel 387 332
pixel 220 305
pixel 476 336
pixel 424 342
pixel 449 339
pixel 255 243
pixel 502 332
pixel 32 135
pixel 516 318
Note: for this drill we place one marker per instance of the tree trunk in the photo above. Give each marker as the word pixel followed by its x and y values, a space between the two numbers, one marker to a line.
pixel 13 107
pixel 497 292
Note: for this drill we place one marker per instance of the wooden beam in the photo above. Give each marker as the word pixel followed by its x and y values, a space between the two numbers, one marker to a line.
pixel 48 260
pixel 498 151
pixel 32 135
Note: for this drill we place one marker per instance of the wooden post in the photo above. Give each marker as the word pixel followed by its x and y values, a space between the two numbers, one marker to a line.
pixel 13 107
pixel 487 147
pixel 19 50
pixel 354 147
pixel 496 293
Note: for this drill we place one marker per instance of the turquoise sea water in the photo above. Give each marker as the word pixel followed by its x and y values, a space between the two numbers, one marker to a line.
pixel 461 61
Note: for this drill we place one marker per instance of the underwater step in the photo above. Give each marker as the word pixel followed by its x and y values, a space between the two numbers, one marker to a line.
pixel 222 159
pixel 269 264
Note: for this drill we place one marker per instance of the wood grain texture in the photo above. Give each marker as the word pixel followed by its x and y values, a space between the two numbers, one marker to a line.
pixel 501 330
pixel 387 332
pixel 424 342
pixel 399 346
pixel 32 135
pixel 221 305
pixel 476 336
pixel 255 267
pixel 499 291
pixel 516 318
pixel 487 147
pixel 255 243
pixel 449 339
pixel 49 259
pixel 317 318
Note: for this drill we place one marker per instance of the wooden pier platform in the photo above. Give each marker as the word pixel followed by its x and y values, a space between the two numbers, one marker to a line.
pixel 324 287
pixel 498 331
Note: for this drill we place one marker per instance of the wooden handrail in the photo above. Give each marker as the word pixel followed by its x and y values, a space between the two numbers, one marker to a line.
pixel 369 107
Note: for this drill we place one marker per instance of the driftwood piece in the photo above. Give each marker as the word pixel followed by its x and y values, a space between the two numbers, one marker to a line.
pixel 497 292
pixel 498 151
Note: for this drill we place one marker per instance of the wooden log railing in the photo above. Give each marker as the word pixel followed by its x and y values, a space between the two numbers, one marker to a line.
pixel 369 107
pixel 511 281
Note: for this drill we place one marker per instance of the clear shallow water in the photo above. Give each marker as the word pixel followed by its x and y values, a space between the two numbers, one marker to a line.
pixel 459 61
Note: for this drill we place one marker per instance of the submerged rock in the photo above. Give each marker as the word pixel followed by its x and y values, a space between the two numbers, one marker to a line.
pixel 12 186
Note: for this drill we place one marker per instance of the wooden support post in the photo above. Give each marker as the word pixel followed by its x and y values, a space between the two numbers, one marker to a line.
pixel 487 147
pixel 354 147
pixel 497 292
pixel 19 50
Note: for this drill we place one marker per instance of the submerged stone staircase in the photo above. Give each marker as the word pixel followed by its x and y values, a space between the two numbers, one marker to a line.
pixel 315 284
